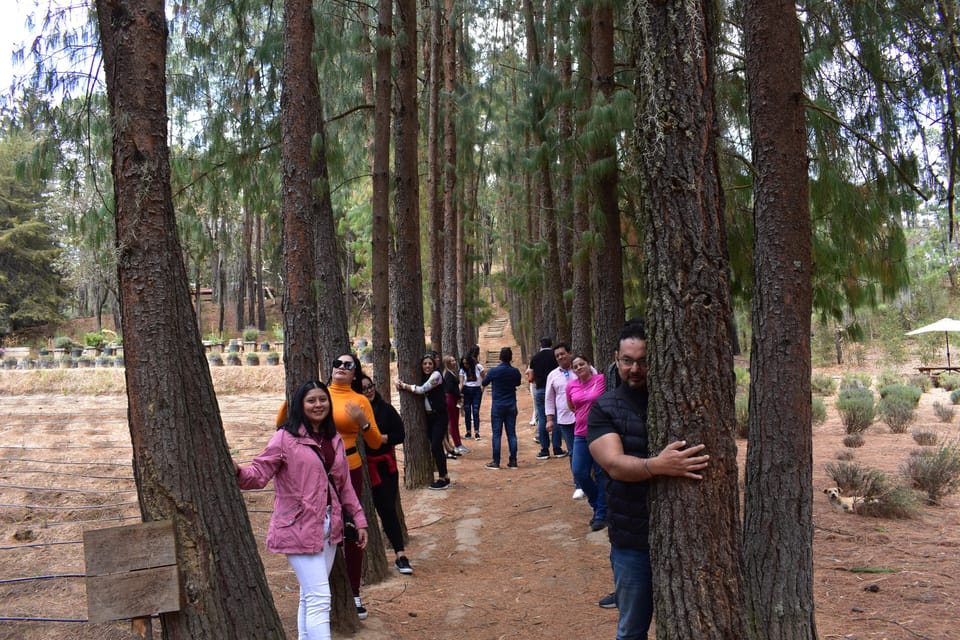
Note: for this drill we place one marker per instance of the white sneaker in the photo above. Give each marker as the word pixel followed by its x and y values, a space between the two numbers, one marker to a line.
pixel 462 449
pixel 579 494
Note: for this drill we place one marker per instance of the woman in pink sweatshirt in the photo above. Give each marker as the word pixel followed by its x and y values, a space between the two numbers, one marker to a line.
pixel 304 455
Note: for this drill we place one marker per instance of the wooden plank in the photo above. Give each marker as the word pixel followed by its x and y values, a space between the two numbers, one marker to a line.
pixel 129 548
pixel 132 595
pixel 131 571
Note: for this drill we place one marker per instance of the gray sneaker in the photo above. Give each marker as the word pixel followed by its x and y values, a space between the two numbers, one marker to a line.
pixel 608 601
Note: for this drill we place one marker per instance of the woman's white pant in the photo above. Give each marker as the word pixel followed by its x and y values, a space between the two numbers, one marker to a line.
pixel 313 574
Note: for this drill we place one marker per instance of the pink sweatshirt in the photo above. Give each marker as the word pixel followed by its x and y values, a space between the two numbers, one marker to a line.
pixel 300 492
pixel 581 395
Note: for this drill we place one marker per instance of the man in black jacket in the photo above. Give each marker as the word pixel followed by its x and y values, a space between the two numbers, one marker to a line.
pixel 617 433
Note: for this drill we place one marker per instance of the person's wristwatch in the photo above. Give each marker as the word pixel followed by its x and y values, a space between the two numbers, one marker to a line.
pixel 365 427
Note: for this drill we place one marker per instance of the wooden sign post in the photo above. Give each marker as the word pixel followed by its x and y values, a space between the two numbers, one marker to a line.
pixel 131 571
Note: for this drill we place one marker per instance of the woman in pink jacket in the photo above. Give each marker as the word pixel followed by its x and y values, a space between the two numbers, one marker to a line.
pixel 307 524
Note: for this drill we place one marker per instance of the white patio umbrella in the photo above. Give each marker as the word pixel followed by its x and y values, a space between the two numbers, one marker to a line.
pixel 944 324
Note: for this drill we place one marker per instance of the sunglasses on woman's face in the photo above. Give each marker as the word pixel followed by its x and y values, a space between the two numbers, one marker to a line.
pixel 367 387
pixel 343 364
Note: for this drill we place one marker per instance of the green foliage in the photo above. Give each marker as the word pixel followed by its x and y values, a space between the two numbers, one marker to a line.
pixel 94 340
pixel 822 384
pixel 904 391
pixel 63 342
pixel 921 381
pixel 898 411
pixel 250 334
pixel 925 438
pixel 935 470
pixel 819 411
pixel 955 396
pixel 856 379
pixel 853 478
pixel 845 454
pixel 31 292
pixel 856 409
pixel 743 377
pixel 944 412
pixel 949 381
pixel 889 377
pixel 853 440
pixel 742 409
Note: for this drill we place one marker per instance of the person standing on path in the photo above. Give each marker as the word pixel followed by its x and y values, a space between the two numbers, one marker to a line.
pixel 353 417
pixel 471 377
pixel 559 415
pixel 451 390
pixel 581 393
pixel 435 404
pixel 504 380
pixel 617 433
pixel 542 363
pixel 307 461
pixel 384 474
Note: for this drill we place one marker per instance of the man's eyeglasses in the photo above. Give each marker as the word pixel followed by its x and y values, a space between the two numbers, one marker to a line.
pixel 630 363
pixel 343 364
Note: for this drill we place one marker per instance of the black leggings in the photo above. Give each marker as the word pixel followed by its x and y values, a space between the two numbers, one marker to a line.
pixel 385 499
pixel 437 430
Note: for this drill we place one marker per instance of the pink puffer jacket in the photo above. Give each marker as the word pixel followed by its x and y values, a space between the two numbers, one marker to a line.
pixel 300 492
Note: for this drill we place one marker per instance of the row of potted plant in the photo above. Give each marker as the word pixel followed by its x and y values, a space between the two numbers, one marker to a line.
pixel 233 359
pixel 65 361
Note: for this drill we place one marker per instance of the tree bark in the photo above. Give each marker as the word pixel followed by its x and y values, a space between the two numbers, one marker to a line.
pixel 406 272
pixel 433 67
pixel 778 501
pixel 380 205
pixel 450 209
pixel 694 526
pixel 609 289
pixel 181 461
pixel 300 120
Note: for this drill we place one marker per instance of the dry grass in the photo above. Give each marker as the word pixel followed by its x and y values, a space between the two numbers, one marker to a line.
pixel 227 381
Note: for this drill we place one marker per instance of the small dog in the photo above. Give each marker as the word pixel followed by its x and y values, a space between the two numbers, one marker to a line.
pixel 844 503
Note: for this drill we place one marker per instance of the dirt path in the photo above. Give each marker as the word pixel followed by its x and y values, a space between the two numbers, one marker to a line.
pixel 501 554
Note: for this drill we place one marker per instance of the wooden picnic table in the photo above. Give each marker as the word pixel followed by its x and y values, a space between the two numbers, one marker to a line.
pixel 934 372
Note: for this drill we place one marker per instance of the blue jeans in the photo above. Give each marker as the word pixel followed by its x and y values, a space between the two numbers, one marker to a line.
pixel 539 401
pixel 633 582
pixel 471 408
pixel 503 418
pixel 589 477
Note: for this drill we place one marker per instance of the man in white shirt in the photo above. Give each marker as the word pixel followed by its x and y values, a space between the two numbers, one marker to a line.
pixel 559 415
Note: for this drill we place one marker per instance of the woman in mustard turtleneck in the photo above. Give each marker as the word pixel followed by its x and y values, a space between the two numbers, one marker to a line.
pixel 353 415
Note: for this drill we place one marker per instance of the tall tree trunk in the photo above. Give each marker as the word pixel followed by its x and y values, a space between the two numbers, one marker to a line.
pixel 380 201
pixel 181 462
pixel 433 66
pixel 258 253
pixel 778 503
pixel 609 290
pixel 406 279
pixel 694 526
pixel 333 334
pixel 585 255
pixel 248 273
pixel 450 209
pixel 551 300
pixel 301 118
pixel 565 133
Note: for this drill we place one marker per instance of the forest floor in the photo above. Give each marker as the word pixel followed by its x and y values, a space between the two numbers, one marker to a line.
pixel 501 554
